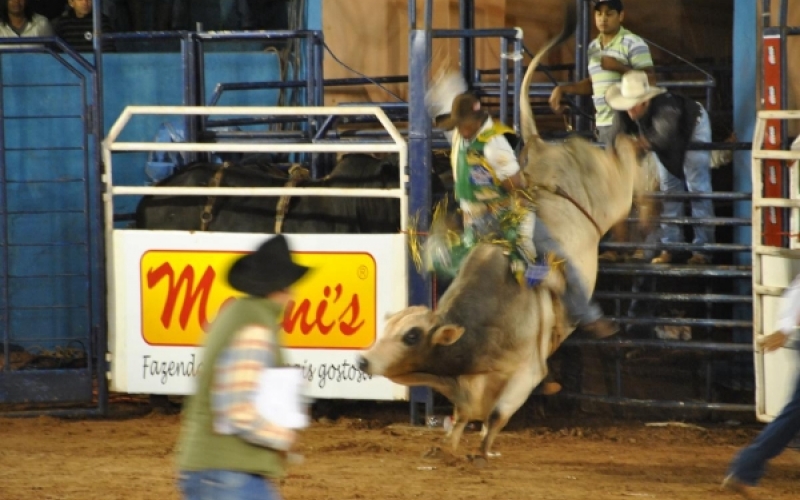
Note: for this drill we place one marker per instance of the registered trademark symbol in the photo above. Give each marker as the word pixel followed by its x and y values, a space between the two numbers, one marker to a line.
pixel 363 272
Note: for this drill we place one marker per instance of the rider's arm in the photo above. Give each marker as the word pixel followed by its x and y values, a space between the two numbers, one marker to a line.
pixel 501 157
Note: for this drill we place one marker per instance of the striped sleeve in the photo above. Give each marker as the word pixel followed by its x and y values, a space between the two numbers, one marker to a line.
pixel 233 391
pixel 638 52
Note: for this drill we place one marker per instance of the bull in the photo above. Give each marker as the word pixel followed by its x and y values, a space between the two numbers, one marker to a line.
pixel 486 345
pixel 297 214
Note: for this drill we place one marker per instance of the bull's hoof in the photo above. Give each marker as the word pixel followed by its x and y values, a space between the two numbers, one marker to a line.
pixel 434 452
pixel 548 388
pixel 478 461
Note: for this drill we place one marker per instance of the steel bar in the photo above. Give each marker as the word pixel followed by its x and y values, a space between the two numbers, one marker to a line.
pixel 676 297
pixel 476 33
pixel 677 247
pixel 734 196
pixel 278 191
pixel 5 238
pixel 654 403
pixel 254 148
pixel 466 16
pixel 678 270
pixel 686 345
pixel 705 221
pixel 697 322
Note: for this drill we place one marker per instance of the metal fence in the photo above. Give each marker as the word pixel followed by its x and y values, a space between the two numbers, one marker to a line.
pixel 52 333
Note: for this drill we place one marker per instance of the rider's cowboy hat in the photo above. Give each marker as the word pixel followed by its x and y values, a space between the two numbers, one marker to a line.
pixel 632 90
pixel 465 107
pixel 269 269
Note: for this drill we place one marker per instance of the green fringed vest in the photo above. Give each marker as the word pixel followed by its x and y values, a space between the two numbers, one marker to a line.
pixel 199 447
pixel 476 180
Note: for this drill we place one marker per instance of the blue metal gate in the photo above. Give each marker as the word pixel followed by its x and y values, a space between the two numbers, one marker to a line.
pixel 52 318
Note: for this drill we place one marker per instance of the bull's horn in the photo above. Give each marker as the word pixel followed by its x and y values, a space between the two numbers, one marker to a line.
pixel 526 113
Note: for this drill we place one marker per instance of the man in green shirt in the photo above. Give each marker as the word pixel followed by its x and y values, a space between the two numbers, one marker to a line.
pixel 226 448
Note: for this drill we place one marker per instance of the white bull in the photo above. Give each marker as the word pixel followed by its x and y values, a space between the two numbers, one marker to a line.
pixel 486 346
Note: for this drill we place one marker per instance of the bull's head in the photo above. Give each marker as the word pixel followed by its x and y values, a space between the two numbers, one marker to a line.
pixel 410 338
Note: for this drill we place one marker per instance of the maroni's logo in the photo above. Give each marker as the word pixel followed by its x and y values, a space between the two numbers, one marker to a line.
pixel 334 306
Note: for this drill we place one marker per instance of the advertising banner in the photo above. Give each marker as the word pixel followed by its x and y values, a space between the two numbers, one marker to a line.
pixel 168 286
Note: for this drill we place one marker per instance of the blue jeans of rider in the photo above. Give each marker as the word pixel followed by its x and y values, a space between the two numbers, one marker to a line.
pixel 225 485
pixel 697 169
pixel 749 464
pixel 576 298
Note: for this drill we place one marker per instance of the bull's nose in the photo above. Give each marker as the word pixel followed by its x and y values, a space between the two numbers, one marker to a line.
pixel 362 363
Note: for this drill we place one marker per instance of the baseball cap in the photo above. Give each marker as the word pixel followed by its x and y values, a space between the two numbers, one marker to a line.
pixel 612 4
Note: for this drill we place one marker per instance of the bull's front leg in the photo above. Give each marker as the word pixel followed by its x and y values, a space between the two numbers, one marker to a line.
pixel 460 421
pixel 516 392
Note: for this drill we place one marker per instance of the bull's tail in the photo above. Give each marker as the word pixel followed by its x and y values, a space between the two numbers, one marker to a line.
pixel 526 113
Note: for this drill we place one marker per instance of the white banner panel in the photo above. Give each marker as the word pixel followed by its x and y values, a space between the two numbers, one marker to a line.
pixel 167 286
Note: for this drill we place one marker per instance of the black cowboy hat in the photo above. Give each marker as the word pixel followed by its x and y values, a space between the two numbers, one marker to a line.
pixel 269 269
pixel 466 106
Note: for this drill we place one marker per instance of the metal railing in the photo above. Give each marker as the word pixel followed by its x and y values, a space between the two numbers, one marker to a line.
pixel 111 145
pixel 645 297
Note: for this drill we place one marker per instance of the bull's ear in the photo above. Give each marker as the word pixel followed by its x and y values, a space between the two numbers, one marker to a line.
pixel 447 334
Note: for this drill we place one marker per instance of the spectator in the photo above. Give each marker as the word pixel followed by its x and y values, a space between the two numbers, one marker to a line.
pixel 76 26
pixel 226 449
pixel 18 20
pixel 748 467
pixel 613 53
pixel 666 123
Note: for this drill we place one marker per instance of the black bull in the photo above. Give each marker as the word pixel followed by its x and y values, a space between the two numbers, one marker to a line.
pixel 302 214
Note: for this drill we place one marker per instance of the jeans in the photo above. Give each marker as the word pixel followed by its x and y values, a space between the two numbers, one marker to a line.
pixel 603 134
pixel 225 485
pixel 576 298
pixel 749 465
pixel 697 169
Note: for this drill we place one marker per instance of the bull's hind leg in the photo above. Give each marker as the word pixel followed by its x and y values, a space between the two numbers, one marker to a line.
pixel 517 390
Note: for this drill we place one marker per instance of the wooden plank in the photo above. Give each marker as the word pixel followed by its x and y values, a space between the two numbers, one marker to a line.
pixel 372 37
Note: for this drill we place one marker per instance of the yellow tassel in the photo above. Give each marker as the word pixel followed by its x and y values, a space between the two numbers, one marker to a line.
pixel 414 242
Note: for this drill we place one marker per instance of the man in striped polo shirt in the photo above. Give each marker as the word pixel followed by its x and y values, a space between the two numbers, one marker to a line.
pixel 613 53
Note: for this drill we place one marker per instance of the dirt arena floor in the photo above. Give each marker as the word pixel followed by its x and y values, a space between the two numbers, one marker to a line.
pixel 374 454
